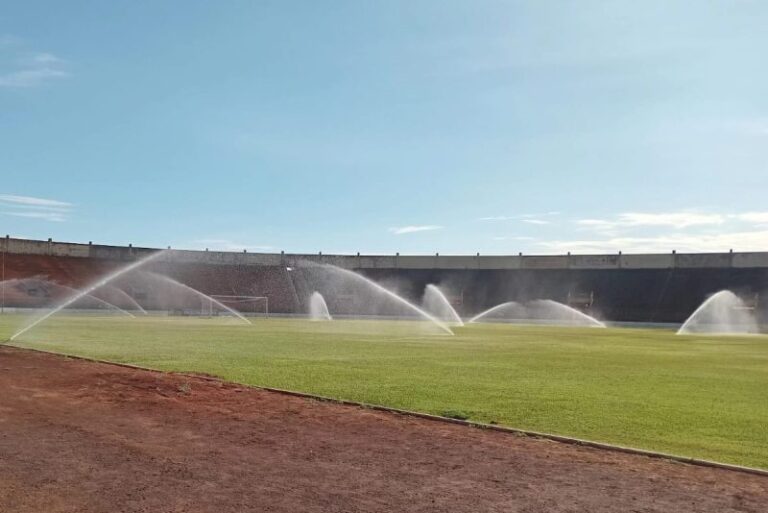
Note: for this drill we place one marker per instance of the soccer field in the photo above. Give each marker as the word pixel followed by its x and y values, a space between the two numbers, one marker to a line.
pixel 702 397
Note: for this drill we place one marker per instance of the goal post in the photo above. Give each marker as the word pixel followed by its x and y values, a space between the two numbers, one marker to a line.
pixel 245 305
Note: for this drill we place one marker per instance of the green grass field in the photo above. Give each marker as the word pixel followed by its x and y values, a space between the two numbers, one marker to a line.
pixel 704 397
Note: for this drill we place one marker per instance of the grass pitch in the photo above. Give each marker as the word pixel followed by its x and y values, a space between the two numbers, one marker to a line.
pixel 703 397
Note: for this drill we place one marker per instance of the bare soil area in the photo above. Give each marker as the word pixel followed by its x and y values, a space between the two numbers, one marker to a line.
pixel 78 436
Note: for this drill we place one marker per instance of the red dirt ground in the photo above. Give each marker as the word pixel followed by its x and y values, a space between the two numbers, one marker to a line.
pixel 78 436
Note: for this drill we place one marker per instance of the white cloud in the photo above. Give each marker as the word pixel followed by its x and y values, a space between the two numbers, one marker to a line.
pixel 401 230
pixel 666 231
pixel 738 241
pixel 536 221
pixel 35 208
pixel 46 59
pixel 57 217
pixel 31 70
pixel 596 223
pixel 32 201
pixel 497 218
pixel 752 217
pixel 30 77
pixel 674 219
pixel 677 220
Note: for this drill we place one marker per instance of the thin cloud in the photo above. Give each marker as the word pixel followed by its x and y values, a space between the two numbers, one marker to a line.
pixel 32 201
pixel 31 70
pixel 56 217
pixel 673 219
pixel 667 231
pixel 752 217
pixel 536 221
pixel 402 230
pixel 756 240
pixel 35 208
pixel 677 220
pixel 596 223
pixel 496 218
pixel 30 77
pixel 46 59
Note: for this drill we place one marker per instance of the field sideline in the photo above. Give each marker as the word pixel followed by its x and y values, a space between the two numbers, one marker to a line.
pixel 702 397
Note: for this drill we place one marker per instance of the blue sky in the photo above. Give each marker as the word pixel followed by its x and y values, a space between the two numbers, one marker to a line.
pixel 382 127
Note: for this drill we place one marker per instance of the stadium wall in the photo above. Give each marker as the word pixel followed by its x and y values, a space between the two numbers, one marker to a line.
pixel 641 288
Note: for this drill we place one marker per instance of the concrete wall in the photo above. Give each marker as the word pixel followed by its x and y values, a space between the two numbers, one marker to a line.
pixel 750 260
pixel 615 261
pixel 657 261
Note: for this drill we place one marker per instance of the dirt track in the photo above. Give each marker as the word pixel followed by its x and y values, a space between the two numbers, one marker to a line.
pixel 81 437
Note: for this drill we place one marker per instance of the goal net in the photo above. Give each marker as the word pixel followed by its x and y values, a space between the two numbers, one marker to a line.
pixel 244 305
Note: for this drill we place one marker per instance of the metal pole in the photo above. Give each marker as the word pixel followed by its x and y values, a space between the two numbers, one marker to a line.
pixel 2 302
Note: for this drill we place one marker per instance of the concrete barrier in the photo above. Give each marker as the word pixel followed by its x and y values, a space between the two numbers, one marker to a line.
pixel 448 262
pixel 594 262
pixel 695 261
pixel 545 262
pixel 750 260
pixel 658 261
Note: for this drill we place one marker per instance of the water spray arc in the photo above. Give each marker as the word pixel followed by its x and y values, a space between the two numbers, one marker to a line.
pixel 128 297
pixel 71 290
pixel 201 295
pixel 493 310
pixel 372 285
pixel 722 313
pixel 104 302
pixel 568 311
pixel 87 291
pixel 318 309
pixel 437 304
pixel 539 310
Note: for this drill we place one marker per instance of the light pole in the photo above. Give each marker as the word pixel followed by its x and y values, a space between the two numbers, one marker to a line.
pixel 2 278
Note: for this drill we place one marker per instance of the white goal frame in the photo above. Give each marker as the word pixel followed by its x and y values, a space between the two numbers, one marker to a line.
pixel 232 300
